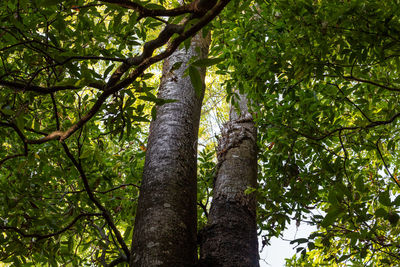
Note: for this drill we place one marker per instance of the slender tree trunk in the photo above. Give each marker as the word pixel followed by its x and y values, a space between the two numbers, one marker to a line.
pixel 165 227
pixel 230 238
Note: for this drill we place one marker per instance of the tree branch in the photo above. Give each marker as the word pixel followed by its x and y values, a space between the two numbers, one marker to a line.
pixel 384 163
pixel 371 82
pixel 105 213
pixel 44 90
pixel 146 12
pixel 148 50
pixel 371 125
pixel 118 260
pixel 53 100
pixel 143 62
pixel 11 157
pixel 351 102
pixel 23 139
pixel 203 207
pixel 39 237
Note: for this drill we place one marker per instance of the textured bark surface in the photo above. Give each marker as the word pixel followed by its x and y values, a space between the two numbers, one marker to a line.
pixel 230 238
pixel 165 226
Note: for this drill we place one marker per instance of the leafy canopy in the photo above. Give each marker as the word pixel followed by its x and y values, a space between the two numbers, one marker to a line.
pixel 77 86
pixel 323 77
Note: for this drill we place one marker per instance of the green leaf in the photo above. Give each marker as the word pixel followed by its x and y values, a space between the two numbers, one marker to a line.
pixel 381 212
pixel 393 218
pixel 299 241
pixel 187 43
pixel 331 217
pixel 50 2
pixel 20 122
pixel 128 233
pixel 195 78
pixel 139 118
pixel 147 76
pixel 154 113
pixel 384 198
pixel 344 257
pixel 86 153
pixel 249 190
pixel 150 98
pixel 176 66
pixel 108 70
pixel 396 202
pixel 7 111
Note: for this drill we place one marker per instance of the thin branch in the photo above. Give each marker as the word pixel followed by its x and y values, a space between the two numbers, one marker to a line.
pixel 204 208
pixel 79 58
pixel 371 125
pixel 23 139
pixel 29 42
pixel 351 102
pixel 319 138
pixel 105 213
pixel 11 157
pixel 100 192
pixel 116 188
pixel 34 131
pixel 53 100
pixel 118 260
pixel 372 82
pixel 44 90
pixel 39 237
pixel 345 155
pixel 384 163
pixel 146 12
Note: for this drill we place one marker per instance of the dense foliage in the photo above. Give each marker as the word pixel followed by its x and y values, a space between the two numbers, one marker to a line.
pixel 323 78
pixel 76 95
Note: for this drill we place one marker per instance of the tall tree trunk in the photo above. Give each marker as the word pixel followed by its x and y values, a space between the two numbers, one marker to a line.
pixel 230 238
pixel 165 226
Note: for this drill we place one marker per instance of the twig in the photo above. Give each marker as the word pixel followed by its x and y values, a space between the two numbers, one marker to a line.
pixel 351 102
pixel 105 213
pixel 384 163
pixel 117 261
pixel 39 237
pixel 372 83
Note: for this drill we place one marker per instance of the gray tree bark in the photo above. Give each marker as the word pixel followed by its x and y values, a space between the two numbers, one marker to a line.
pixel 166 220
pixel 230 238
